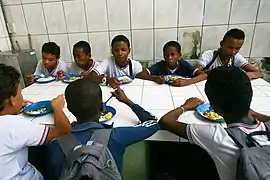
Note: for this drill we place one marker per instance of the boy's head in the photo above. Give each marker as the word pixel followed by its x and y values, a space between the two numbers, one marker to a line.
pixel 50 55
pixel 229 92
pixel 120 49
pixel 82 53
pixel 84 100
pixel 232 42
pixel 172 53
pixel 11 99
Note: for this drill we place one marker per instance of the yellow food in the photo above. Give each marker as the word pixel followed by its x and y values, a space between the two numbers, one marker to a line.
pixel 38 111
pixel 108 116
pixel 212 115
pixel 74 78
pixel 126 79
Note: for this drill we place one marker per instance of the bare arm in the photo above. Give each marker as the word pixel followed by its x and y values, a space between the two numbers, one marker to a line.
pixel 200 76
pixel 252 72
pixel 144 75
pixel 95 77
pixel 259 116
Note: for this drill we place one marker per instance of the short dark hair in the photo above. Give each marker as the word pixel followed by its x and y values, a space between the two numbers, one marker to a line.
pixel 84 45
pixel 84 99
pixel 52 48
pixel 172 44
pixel 235 33
pixel 120 38
pixel 229 89
pixel 10 79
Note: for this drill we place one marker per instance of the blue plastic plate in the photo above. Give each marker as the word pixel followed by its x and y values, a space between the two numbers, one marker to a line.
pixel 108 109
pixel 32 109
pixel 45 78
pixel 71 77
pixel 206 108
pixel 125 79
pixel 170 78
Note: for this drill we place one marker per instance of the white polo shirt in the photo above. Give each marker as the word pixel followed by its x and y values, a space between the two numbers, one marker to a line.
pixel 207 56
pixel 40 69
pixel 16 134
pixel 109 68
pixel 215 140
pixel 74 68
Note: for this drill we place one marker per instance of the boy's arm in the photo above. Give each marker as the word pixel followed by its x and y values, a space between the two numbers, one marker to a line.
pixel 145 75
pixel 252 72
pixel 113 82
pixel 259 116
pixel 200 76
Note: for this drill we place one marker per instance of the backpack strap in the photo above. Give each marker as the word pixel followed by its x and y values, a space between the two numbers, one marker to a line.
pixel 68 143
pixel 101 136
pixel 130 67
pixel 238 136
pixel 233 60
pixel 215 55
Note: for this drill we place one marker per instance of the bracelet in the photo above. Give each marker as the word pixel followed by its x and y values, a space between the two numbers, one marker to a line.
pixel 183 109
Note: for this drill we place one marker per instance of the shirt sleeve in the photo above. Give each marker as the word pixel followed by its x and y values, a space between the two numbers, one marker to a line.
pixel 102 68
pixel 137 68
pixel 206 58
pixel 155 69
pixel 26 133
pixel 188 68
pixel 39 69
pixel 240 61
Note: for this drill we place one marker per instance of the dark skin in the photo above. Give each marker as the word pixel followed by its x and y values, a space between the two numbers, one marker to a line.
pixel 120 51
pixel 229 48
pixel 171 56
pixel 83 60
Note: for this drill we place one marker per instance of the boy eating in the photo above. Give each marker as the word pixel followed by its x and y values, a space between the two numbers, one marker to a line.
pixel 227 55
pixel 119 64
pixel 230 93
pixel 173 65
pixel 50 63
pixel 17 134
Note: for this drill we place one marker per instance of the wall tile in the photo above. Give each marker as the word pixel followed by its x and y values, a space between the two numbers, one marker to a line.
pixel 37 42
pixel 261 44
pixel 212 36
pixel 54 17
pixel 97 16
pixel 118 14
pixel 10 2
pixel 15 15
pixel 186 39
pixel 62 41
pixel 142 44
pixel 3 45
pixel 161 37
pixel 190 12
pixel 141 14
pixel 50 0
pixel 74 38
pixel 244 11
pixel 75 16
pixel 100 45
pixel 248 29
pixel 216 12
pixel 30 1
pixel 22 40
pixel 166 13
pixel 34 18
pixel 264 11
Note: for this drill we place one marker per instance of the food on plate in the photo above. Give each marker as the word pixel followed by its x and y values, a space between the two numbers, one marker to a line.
pixel 37 111
pixel 74 78
pixel 212 115
pixel 126 79
pixel 107 116
pixel 41 75
pixel 171 78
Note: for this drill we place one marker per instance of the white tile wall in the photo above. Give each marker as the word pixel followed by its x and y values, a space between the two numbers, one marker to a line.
pixel 62 41
pixel 30 1
pixel 99 42
pixel 216 12
pixel 74 38
pixel 141 14
pixel 264 11
pixel 22 40
pixel 261 45
pixel 166 13
pixel 37 42
pixel 142 44
pixel 10 2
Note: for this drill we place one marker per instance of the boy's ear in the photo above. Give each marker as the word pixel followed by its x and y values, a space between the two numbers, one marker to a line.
pixel 11 101
pixel 221 43
pixel 180 55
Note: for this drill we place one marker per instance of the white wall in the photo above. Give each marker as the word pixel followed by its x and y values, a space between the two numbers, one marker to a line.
pixel 147 23
pixel 4 39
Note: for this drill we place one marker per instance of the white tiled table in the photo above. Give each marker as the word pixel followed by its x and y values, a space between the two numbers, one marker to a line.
pixel 157 99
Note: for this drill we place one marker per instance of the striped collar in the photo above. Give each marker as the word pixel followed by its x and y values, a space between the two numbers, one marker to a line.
pixel 245 125
pixel 91 67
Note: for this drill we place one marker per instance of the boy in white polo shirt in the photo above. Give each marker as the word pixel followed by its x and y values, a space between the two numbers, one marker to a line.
pixel 228 55
pixel 17 134
pixel 229 92
pixel 117 65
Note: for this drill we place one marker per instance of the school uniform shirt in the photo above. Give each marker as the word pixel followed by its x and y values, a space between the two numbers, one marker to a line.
pixel 74 68
pixel 120 138
pixel 40 69
pixel 207 56
pixel 215 140
pixel 108 67
pixel 183 69
pixel 16 135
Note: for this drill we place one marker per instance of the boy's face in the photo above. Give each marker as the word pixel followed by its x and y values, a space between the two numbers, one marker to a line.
pixel 81 58
pixel 49 60
pixel 231 46
pixel 171 56
pixel 120 51
pixel 15 103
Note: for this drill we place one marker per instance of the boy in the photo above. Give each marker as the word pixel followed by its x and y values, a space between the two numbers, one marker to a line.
pixel 229 92
pixel 83 63
pixel 88 114
pixel 50 63
pixel 173 65
pixel 227 55
pixel 17 134
pixel 119 64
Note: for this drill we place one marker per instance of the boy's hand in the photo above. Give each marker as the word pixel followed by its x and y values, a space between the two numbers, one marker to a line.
pixel 84 74
pixel 58 102
pixel 113 82
pixel 26 103
pixel 180 82
pixel 120 95
pixel 31 79
pixel 160 79
pixel 192 103
pixel 61 75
